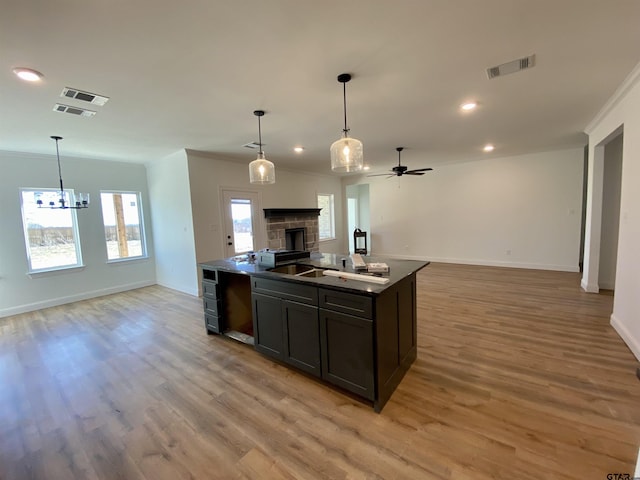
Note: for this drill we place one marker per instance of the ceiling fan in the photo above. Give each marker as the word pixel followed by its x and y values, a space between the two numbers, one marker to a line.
pixel 401 169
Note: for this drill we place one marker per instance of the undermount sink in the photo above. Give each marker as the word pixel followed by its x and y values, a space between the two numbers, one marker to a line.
pixel 298 270
pixel 292 269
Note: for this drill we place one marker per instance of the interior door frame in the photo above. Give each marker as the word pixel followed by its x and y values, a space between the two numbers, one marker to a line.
pixel 259 234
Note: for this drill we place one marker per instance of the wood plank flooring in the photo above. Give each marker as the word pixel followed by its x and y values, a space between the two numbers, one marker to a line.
pixel 519 375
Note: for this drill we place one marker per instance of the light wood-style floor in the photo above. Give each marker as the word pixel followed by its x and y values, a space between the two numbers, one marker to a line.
pixel 519 376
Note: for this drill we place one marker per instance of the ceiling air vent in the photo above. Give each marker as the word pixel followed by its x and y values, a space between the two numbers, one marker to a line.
pixel 81 112
pixel 511 67
pixel 84 96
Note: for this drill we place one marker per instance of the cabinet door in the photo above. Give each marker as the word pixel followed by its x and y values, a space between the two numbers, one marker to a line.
pixel 347 352
pixel 268 327
pixel 302 334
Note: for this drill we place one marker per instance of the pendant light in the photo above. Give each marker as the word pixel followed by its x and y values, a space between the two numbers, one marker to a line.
pixel 261 170
pixel 346 153
pixel 82 200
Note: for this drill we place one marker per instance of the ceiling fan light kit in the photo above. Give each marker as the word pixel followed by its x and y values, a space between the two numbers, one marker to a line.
pixel 261 170
pixel 346 153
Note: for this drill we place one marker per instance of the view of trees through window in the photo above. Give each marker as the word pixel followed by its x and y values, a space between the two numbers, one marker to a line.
pixel 51 235
pixel 121 216
pixel 242 225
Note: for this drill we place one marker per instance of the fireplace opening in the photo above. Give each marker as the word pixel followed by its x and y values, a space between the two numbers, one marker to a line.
pixel 295 239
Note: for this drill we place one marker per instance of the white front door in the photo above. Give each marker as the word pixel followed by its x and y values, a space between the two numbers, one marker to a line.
pixel 241 221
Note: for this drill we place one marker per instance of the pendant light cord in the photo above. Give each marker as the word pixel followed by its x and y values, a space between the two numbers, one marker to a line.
pixel 260 135
pixel 344 99
pixel 59 169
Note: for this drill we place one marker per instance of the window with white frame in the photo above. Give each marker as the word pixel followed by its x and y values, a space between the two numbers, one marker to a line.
pixel 123 226
pixel 50 234
pixel 326 220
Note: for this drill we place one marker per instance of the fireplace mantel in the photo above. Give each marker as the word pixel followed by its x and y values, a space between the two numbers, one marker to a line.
pixel 287 212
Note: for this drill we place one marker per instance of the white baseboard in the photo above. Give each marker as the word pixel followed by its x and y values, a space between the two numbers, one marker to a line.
pixel 487 263
pixel 54 302
pixel 180 288
pixel 589 287
pixel 632 342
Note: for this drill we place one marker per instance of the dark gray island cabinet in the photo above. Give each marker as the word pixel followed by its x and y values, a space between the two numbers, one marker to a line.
pixel 356 335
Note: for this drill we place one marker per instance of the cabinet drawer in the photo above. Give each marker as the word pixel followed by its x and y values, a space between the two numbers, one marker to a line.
pixel 350 303
pixel 210 289
pixel 211 275
pixel 213 323
pixel 211 306
pixel 287 290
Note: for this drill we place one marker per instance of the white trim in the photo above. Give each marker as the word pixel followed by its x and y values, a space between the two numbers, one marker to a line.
pixel 486 263
pixel 120 261
pixel 589 288
pixel 54 302
pixel 637 473
pixel 615 99
pixel 47 272
pixel 181 288
pixel 627 337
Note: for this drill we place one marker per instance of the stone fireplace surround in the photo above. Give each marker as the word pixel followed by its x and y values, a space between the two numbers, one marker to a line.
pixel 280 219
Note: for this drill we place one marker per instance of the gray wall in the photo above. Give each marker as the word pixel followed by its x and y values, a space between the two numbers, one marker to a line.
pixel 20 292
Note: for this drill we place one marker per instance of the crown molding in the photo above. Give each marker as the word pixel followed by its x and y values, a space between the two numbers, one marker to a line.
pixel 629 83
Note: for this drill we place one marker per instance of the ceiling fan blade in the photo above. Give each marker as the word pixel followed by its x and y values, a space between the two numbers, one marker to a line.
pixel 411 172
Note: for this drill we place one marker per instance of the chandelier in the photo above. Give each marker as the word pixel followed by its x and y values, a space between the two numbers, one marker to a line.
pixel 81 200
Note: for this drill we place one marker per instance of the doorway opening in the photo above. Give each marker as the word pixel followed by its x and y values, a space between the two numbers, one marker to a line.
pixel 603 222
pixel 610 224
pixel 358 214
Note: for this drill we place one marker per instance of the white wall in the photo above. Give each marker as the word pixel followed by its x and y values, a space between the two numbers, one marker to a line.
pixel 612 175
pixel 20 292
pixel 172 223
pixel 295 190
pixel 519 211
pixel 622 110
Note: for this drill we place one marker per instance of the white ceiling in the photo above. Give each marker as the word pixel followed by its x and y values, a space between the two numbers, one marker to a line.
pixel 190 74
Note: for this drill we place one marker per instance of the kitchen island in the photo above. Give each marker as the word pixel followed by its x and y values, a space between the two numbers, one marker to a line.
pixel 358 334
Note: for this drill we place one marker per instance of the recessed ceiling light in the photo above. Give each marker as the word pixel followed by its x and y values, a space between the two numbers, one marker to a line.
pixel 366 167
pixel 468 106
pixel 298 149
pixel 28 74
pixel 489 148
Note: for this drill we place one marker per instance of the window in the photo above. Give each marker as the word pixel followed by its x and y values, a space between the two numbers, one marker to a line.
pixel 242 225
pixel 123 231
pixel 326 221
pixel 50 235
